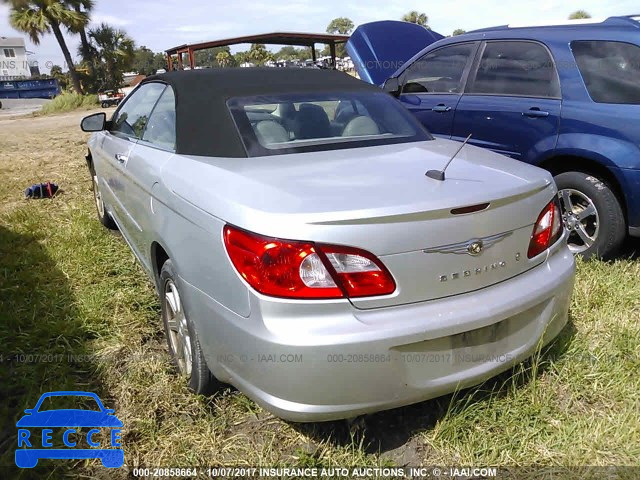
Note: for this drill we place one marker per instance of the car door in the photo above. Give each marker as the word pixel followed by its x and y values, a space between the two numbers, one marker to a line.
pixel 143 170
pixel 126 128
pixel 431 86
pixel 511 103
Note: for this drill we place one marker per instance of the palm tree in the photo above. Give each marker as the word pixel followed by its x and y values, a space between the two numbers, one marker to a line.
pixel 37 17
pixel 416 17
pixel 115 52
pixel 84 7
pixel 259 54
pixel 223 58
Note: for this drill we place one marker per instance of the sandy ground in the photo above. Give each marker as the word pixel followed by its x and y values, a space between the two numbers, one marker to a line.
pixel 21 106
pixel 28 124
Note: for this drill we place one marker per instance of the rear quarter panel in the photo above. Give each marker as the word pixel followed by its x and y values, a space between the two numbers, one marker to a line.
pixel 193 240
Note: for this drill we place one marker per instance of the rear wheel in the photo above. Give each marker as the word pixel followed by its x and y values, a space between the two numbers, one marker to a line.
pixel 184 345
pixel 592 214
pixel 103 216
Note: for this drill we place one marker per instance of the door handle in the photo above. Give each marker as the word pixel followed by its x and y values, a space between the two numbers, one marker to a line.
pixel 442 108
pixel 535 112
pixel 121 158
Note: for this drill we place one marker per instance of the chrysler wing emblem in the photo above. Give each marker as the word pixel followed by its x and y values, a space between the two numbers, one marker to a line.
pixel 473 247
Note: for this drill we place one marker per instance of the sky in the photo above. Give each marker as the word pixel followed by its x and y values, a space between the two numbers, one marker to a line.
pixel 165 24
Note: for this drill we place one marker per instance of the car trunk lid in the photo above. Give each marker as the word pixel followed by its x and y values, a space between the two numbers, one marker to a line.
pixel 380 200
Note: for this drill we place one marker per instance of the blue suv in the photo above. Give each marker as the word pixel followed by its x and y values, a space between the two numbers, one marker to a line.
pixel 563 97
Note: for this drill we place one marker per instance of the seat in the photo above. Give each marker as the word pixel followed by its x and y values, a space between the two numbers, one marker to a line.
pixel 288 114
pixel 361 126
pixel 311 122
pixel 270 132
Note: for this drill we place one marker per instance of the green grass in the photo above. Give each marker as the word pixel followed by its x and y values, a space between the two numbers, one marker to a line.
pixel 68 101
pixel 67 286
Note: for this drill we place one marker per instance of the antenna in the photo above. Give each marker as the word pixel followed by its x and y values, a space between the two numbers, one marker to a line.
pixel 439 174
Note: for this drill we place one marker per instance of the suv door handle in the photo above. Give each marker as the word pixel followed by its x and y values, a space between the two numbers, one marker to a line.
pixel 442 108
pixel 535 112
pixel 121 158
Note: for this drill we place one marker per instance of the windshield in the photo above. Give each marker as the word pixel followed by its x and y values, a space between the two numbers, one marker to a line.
pixel 293 123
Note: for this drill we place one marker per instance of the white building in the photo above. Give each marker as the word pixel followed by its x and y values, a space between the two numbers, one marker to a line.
pixel 13 59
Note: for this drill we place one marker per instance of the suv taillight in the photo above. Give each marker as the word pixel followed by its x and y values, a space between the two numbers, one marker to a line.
pixel 305 270
pixel 547 230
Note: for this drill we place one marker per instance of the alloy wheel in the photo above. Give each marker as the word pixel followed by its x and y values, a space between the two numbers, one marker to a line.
pixel 580 218
pixel 98 196
pixel 179 335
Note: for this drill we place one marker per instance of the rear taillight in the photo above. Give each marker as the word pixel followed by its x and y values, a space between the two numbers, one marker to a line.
pixel 293 269
pixel 547 230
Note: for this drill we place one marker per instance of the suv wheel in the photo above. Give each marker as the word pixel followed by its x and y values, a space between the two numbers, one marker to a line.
pixel 103 216
pixel 592 215
pixel 184 346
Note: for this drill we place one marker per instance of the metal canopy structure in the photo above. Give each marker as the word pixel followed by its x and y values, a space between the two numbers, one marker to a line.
pixel 276 38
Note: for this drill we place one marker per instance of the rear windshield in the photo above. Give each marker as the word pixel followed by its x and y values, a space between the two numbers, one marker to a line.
pixel 294 123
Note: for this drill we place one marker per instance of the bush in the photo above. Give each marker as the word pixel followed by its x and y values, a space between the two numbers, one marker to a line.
pixel 68 101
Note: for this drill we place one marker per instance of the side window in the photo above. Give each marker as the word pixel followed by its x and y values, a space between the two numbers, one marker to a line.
pixel 131 119
pixel 439 71
pixel 610 70
pixel 161 128
pixel 515 68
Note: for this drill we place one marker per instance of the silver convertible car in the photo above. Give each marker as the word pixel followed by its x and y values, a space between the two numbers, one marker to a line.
pixel 314 246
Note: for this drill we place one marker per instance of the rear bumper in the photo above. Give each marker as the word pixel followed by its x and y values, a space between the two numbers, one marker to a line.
pixel 327 360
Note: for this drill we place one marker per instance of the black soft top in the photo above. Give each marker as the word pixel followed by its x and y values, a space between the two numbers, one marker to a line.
pixel 204 125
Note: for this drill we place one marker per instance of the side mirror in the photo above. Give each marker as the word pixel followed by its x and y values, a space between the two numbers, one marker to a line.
pixel 29 411
pixel 109 411
pixel 392 86
pixel 94 123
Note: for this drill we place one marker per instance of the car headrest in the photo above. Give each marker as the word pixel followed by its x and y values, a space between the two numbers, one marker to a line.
pixel 359 126
pixel 312 122
pixel 270 132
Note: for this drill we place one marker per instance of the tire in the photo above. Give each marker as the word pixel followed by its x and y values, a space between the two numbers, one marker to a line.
pixel 182 338
pixel 105 104
pixel 101 209
pixel 594 217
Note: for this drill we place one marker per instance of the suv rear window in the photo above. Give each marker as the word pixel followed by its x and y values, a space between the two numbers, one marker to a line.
pixel 295 123
pixel 610 70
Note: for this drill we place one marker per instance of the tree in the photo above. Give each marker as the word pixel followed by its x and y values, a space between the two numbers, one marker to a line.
pixel 241 57
pixel 287 53
pixel 159 61
pixel 39 17
pixel 62 78
pixel 340 25
pixel 224 59
pixel 458 31
pixel 143 61
pixel 417 18
pixel 208 57
pixel 84 7
pixel 259 54
pixel 578 14
pixel 116 52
